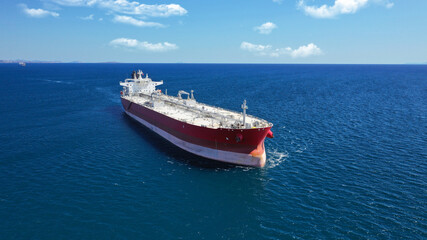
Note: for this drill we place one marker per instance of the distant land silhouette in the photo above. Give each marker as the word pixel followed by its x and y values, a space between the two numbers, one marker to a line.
pixel 40 61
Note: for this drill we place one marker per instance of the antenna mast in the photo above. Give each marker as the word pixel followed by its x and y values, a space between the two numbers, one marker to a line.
pixel 244 107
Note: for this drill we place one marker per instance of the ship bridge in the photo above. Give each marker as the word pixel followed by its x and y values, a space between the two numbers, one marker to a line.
pixel 137 84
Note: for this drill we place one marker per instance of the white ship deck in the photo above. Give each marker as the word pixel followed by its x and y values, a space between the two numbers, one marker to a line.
pixel 192 112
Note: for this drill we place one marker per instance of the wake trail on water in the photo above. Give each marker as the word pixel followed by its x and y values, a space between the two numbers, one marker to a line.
pixel 56 81
pixel 275 158
pixel 113 97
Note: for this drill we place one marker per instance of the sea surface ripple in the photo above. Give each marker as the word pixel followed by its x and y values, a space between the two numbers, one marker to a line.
pixel 348 160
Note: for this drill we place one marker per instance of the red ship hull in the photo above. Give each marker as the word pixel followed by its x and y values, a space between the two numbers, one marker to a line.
pixel 237 146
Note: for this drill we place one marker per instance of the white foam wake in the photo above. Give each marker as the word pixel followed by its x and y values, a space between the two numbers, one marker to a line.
pixel 275 158
pixel 56 81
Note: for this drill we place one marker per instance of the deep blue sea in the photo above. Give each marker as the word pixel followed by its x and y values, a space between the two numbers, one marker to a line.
pixel 348 161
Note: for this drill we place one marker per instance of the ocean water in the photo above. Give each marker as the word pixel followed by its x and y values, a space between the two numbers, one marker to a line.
pixel 348 161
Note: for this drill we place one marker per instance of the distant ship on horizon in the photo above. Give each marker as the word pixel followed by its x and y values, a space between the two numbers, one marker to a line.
pixel 22 64
pixel 198 128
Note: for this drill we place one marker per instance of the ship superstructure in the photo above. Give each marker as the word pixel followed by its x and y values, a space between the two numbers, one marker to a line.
pixel 201 129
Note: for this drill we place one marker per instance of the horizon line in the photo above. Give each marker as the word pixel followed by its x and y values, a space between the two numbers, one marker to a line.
pixel 115 62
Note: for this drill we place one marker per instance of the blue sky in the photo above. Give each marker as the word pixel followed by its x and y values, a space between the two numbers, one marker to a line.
pixel 220 31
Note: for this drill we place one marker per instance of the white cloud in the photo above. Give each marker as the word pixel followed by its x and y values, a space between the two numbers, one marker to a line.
pixel 278 1
pixel 38 13
pixel 162 10
pixel 254 47
pixel 124 42
pixel 306 51
pixel 75 2
pixel 136 22
pixel 129 7
pixel 267 50
pixel 340 7
pixel 90 17
pixel 133 43
pixel 385 3
pixel 266 28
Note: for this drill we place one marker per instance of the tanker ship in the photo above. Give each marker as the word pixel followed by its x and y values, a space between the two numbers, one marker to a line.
pixel 207 131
